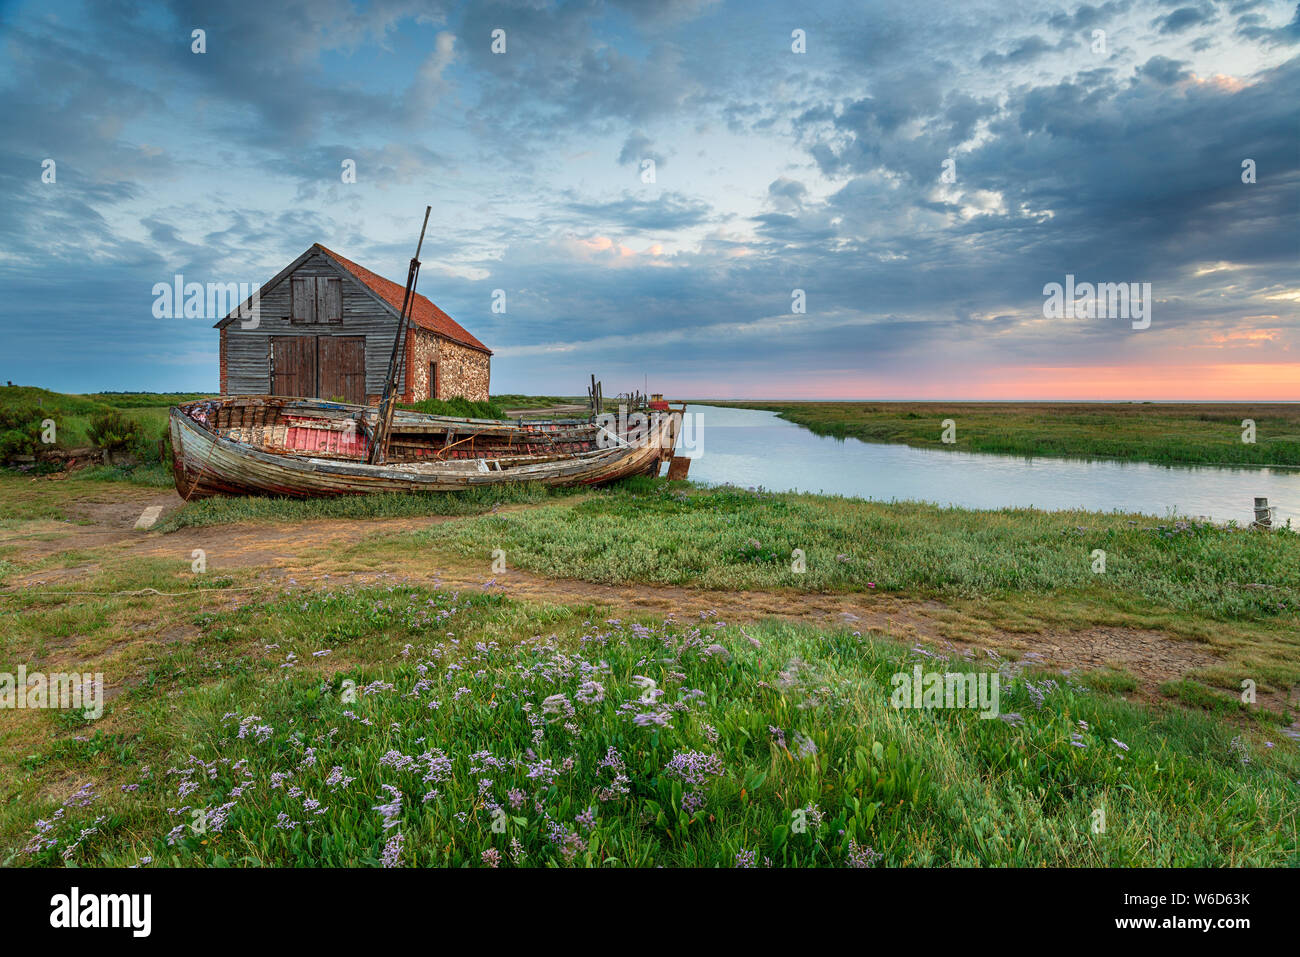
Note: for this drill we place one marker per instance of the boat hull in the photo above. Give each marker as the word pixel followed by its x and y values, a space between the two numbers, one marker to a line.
pixel 206 464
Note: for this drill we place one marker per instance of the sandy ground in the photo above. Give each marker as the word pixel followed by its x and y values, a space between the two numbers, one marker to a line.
pixel 307 551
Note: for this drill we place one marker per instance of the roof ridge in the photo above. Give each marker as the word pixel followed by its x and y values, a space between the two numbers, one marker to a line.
pixel 432 317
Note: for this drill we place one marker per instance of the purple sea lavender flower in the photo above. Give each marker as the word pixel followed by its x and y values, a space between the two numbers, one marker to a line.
pixel 84 796
pixel 393 850
pixel 543 771
pixel 438 767
pixel 693 801
pixel 397 760
pixel 572 846
pixel 338 779
pixel 590 692
pixel 695 768
pixel 557 704
pixel 391 810
pixel 862 856
pixel 814 814
pixel 619 787
pixel 657 718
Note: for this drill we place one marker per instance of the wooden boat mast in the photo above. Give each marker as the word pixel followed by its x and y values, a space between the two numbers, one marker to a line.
pixel 384 426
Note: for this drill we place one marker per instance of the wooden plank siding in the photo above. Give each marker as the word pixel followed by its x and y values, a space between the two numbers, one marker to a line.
pixel 247 352
pixel 293 365
pixel 341 371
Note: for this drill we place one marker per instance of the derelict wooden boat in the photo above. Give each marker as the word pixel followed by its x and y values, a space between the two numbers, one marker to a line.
pixel 269 445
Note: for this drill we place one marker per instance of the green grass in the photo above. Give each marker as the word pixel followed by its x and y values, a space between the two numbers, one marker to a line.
pixel 513 400
pixel 1020 570
pixel 1196 782
pixel 74 414
pixel 460 407
pixel 1165 433
pixel 149 408
pixel 1235 591
pixel 152 474
pixel 495 408
pixel 143 400
pixel 452 701
pixel 26 498
pixel 733 538
pixel 223 511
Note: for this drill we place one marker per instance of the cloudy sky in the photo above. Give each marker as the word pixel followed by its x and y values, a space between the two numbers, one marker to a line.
pixel 1104 140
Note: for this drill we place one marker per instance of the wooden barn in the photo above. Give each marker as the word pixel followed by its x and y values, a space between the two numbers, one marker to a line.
pixel 325 330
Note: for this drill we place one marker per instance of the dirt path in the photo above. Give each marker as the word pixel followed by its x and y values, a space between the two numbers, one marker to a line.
pixel 316 550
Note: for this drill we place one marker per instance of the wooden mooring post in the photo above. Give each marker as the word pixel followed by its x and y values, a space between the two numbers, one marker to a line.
pixel 1263 514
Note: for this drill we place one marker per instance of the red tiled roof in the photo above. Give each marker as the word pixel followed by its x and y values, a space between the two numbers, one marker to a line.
pixel 423 313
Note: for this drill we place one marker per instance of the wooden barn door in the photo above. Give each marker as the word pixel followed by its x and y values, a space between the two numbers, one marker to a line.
pixel 293 365
pixel 342 368
pixel 322 367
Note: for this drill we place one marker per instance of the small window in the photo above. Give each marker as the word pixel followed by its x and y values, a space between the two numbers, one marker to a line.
pixel 316 299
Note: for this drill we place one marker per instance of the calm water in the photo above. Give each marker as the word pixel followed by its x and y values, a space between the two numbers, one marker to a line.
pixel 747 447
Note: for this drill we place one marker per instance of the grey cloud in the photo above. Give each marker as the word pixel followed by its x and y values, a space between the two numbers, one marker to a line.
pixel 1184 18
pixel 1163 70
pixel 667 211
pixel 638 147
pixel 1025 50
pixel 1087 16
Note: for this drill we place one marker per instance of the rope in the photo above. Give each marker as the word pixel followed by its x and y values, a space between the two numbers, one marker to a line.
pixel 130 594
pixel 468 438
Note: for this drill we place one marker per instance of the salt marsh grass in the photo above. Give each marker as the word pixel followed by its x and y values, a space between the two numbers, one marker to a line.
pixel 414 726
pixel 1168 433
